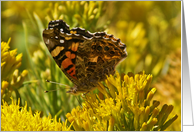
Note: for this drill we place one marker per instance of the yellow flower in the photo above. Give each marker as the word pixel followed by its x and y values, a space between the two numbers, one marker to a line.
pixel 4 85
pixel 9 60
pixel 16 118
pixel 165 83
pixel 125 106
pixel 10 78
pixel 85 15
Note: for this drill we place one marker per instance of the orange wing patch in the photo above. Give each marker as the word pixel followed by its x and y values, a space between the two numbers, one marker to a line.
pixel 68 54
pixel 67 63
pixel 71 72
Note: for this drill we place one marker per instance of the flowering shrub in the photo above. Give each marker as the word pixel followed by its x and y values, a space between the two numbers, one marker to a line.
pixel 124 105
pixel 122 102
pixel 11 80
pixel 16 118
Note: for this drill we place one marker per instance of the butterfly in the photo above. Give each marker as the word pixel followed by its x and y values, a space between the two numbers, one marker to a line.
pixel 85 58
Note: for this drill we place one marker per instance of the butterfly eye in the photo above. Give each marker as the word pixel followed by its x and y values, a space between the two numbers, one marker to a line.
pixel 74 91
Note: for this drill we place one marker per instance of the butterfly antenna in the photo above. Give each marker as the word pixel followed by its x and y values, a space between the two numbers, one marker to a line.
pixel 61 88
pixel 58 88
pixel 56 83
pixel 51 90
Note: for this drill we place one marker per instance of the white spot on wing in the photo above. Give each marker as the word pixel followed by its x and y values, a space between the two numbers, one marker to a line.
pixel 62 41
pixel 61 29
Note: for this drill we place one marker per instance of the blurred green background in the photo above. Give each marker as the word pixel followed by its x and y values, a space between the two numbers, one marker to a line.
pixel 150 29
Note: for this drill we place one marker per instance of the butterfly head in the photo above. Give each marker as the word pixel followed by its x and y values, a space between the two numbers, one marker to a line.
pixel 81 90
pixel 75 91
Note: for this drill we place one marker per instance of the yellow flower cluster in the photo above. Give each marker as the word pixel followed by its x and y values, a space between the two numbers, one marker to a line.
pixel 169 86
pixel 124 106
pixel 10 78
pixel 7 56
pixel 84 13
pixel 16 118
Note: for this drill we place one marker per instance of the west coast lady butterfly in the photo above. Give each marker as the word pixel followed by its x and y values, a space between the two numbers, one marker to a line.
pixel 85 58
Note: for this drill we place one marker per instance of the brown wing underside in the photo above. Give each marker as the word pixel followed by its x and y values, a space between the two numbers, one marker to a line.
pixel 96 59
pixel 85 58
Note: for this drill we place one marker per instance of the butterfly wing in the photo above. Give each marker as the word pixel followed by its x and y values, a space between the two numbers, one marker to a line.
pixel 85 58
pixel 98 58
pixel 63 45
